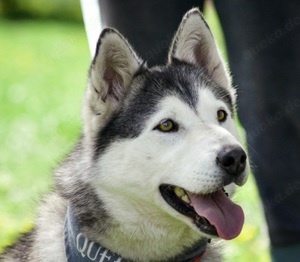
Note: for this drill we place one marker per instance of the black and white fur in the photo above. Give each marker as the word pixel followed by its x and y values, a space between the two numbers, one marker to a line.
pixel 112 177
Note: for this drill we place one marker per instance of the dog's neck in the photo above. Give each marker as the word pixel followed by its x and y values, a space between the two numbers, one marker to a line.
pixel 80 248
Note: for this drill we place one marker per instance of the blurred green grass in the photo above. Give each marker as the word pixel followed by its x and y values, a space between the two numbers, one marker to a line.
pixel 42 79
pixel 43 74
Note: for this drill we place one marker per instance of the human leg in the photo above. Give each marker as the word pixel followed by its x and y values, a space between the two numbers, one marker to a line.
pixel 148 25
pixel 262 41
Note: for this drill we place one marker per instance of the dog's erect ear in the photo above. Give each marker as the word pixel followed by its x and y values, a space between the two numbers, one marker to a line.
pixel 195 44
pixel 110 75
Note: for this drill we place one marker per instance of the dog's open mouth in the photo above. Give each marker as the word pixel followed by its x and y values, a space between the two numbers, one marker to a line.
pixel 214 214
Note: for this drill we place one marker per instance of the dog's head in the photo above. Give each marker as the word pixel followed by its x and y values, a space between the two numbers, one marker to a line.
pixel 163 140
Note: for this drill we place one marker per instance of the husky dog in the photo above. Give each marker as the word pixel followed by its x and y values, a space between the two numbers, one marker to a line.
pixel 146 182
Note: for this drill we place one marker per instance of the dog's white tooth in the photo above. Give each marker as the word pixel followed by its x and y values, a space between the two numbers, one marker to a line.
pixel 186 199
pixel 179 191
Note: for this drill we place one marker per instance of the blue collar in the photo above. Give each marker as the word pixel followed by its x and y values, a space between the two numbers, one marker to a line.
pixel 80 249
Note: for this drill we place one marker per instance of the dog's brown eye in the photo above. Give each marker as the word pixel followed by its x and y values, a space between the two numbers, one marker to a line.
pixel 167 125
pixel 222 115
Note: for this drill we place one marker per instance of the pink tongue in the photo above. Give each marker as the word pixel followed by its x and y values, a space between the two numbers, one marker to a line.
pixel 220 211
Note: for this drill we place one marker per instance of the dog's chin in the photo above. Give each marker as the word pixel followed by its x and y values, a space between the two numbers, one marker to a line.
pixel 213 214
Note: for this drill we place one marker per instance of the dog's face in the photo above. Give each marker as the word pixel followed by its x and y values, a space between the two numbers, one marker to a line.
pixel 163 140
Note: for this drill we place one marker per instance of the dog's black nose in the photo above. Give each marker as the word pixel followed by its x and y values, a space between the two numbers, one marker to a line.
pixel 232 160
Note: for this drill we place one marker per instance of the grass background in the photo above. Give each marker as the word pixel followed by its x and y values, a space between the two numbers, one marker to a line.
pixel 43 74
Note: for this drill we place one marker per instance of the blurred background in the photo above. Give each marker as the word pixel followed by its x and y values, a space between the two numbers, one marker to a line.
pixel 44 60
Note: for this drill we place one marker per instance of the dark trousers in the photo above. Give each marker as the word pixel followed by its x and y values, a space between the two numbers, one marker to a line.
pixel 263 44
